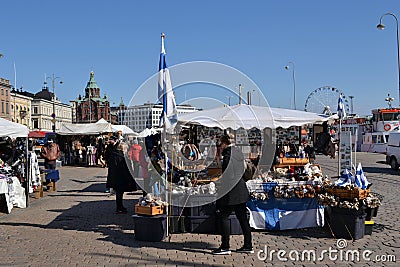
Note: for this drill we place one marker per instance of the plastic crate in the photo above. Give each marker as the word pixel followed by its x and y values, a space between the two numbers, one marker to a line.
pixel 202 224
pixel 150 228
pixel 368 227
pixel 176 224
pixel 348 223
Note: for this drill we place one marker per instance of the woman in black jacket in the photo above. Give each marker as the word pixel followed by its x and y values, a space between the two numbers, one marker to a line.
pixel 119 176
pixel 235 195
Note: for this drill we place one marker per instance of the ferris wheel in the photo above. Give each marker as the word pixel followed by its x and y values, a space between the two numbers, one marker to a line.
pixel 324 100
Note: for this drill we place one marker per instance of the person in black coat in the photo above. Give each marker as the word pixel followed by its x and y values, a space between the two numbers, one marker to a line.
pixel 235 195
pixel 119 176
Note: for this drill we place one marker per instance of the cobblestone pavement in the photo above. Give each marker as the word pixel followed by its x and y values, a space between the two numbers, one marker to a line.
pixel 76 226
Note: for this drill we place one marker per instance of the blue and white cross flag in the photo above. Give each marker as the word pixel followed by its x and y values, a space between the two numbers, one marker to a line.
pixel 345 179
pixel 361 179
pixel 169 116
pixel 341 111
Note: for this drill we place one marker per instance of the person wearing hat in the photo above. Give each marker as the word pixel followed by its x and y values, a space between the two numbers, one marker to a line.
pixel 235 194
pixel 50 152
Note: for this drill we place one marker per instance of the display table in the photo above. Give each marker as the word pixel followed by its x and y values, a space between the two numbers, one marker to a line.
pixel 285 213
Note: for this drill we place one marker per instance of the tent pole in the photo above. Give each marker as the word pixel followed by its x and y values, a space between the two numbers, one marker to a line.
pixel 27 173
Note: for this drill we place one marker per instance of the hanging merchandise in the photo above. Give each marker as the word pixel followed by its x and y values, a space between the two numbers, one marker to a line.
pixel 34 172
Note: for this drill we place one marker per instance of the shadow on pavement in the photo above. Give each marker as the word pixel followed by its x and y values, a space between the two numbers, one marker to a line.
pixel 100 217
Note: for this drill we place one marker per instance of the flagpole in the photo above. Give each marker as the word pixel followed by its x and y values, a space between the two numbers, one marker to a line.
pixel 339 135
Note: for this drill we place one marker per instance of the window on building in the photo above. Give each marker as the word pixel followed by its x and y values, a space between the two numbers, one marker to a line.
pixel 2 106
pixel 6 92
pixel 2 91
pixel 7 108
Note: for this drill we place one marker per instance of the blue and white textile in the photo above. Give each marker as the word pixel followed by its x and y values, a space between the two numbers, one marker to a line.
pixel 341 111
pixel 345 179
pixel 169 116
pixel 285 213
pixel 361 179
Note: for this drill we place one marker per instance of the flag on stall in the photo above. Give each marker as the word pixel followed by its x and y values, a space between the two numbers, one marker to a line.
pixel 361 178
pixel 341 111
pixel 169 116
pixel 345 179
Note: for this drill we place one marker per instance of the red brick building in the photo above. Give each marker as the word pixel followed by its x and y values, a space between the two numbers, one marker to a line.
pixel 92 107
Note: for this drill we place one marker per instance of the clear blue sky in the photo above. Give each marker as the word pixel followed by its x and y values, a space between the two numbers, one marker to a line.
pixel 332 43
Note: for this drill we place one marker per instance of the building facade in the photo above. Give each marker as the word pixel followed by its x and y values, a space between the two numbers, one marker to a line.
pixel 20 108
pixel 147 115
pixel 92 107
pixel 43 105
pixel 5 89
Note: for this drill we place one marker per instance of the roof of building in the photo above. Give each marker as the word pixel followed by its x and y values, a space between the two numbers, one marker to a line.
pixel 44 94
pixel 92 83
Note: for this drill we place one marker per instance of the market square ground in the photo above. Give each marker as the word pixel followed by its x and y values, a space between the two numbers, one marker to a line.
pixel 76 226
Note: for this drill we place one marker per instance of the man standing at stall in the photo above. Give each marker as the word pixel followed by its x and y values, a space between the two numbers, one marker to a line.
pixel 50 152
pixel 235 195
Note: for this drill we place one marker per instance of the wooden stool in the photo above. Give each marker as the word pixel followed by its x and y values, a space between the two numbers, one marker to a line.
pixel 39 192
pixel 51 186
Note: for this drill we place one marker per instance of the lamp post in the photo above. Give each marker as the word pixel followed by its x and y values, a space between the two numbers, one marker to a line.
pixel 380 26
pixel 294 82
pixel 229 99
pixel 53 80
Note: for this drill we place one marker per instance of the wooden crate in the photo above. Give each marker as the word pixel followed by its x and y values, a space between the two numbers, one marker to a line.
pixel 348 194
pixel 211 172
pixel 293 161
pixel 148 210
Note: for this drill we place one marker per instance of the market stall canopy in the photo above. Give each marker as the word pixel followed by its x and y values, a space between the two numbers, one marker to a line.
pixel 12 129
pixel 37 134
pixel 248 116
pixel 124 129
pixel 84 128
pixel 119 128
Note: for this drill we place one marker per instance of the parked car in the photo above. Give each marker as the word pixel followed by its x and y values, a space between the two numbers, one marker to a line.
pixel 393 150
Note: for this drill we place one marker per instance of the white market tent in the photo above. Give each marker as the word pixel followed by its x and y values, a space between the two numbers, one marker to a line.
pixel 119 128
pixel 12 129
pixel 84 128
pixel 124 129
pixel 248 116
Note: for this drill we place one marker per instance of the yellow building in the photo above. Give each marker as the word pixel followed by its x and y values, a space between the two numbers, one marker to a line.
pixel 20 108
pixel 5 99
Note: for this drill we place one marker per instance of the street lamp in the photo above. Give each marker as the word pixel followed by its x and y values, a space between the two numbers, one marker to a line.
pixel 53 79
pixel 294 82
pixel 229 99
pixel 380 26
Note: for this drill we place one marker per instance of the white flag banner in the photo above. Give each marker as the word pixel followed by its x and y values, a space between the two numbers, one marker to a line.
pixel 169 116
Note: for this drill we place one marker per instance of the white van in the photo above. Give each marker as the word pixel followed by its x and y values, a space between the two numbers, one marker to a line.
pixel 393 150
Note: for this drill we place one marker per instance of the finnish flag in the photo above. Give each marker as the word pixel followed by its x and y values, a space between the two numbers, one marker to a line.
pixel 345 179
pixel 361 179
pixel 341 111
pixel 169 116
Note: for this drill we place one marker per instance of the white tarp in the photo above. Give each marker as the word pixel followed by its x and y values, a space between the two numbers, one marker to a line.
pixel 247 117
pixel 124 129
pixel 119 128
pixel 84 128
pixel 12 129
